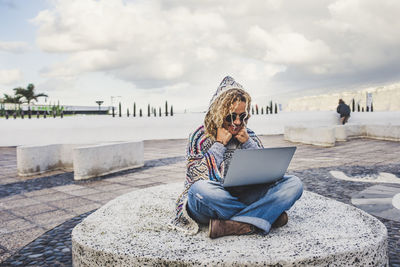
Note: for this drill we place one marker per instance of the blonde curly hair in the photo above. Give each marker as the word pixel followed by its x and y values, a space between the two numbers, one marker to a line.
pixel 224 105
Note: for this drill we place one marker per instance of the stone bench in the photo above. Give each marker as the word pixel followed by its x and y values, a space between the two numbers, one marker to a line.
pixel 340 133
pixel 328 135
pixel 383 132
pixel 319 136
pixel 85 160
pixel 33 160
pixel 93 161
pixel 132 230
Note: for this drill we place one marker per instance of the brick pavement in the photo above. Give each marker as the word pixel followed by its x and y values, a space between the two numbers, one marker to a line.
pixel 28 215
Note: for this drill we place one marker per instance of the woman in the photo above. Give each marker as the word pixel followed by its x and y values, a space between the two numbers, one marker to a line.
pixel 238 210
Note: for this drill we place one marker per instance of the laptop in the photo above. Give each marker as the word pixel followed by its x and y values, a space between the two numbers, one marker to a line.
pixel 258 166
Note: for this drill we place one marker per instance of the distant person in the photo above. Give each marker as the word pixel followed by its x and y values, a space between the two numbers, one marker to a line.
pixel 237 210
pixel 344 111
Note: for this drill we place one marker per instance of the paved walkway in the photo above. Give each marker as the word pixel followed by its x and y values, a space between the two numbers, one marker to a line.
pixel 44 208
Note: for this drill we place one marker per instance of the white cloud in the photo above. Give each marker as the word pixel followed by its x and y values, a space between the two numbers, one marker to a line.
pixel 287 48
pixel 364 33
pixel 172 43
pixel 14 47
pixel 11 76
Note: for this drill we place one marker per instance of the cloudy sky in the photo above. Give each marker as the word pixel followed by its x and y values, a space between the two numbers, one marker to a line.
pixel 150 51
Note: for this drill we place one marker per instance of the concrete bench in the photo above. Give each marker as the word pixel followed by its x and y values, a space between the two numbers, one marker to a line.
pixel 33 160
pixel 86 161
pixel 355 131
pixel 383 132
pixel 319 136
pixel 340 133
pixel 93 161
pixel 327 136
pixel 132 230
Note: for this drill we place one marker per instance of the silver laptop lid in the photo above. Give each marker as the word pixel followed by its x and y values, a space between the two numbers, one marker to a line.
pixel 258 166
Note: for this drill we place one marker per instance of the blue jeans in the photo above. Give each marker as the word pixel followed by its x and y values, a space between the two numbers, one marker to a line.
pixel 259 205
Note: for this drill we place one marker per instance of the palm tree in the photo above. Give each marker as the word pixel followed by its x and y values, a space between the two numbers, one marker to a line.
pixel 28 93
pixel 12 99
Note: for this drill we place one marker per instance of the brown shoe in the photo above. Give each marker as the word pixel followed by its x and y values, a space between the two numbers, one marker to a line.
pixel 281 221
pixel 218 228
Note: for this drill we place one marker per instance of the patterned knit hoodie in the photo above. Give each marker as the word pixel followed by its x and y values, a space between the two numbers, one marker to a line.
pixel 207 160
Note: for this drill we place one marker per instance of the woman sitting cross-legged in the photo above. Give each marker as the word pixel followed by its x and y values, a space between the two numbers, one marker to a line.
pixel 236 210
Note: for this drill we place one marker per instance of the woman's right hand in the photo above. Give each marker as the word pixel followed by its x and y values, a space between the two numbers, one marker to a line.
pixel 223 136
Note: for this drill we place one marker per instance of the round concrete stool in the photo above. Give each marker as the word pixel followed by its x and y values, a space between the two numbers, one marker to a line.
pixel 131 230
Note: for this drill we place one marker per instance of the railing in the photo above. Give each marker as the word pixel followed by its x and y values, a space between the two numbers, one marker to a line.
pixel 33 107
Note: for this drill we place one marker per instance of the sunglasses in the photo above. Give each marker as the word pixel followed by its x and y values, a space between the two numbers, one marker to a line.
pixel 232 117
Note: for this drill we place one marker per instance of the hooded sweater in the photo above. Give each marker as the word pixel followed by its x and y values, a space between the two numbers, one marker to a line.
pixel 207 160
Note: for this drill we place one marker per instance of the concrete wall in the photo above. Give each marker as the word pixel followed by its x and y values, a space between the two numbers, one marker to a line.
pixel 105 129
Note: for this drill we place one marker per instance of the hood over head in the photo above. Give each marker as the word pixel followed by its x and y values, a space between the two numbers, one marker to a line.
pixel 227 83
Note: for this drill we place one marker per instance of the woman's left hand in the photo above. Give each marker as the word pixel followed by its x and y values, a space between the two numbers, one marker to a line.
pixel 242 136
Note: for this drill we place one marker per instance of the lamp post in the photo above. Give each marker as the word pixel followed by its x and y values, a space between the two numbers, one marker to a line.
pixel 99 102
